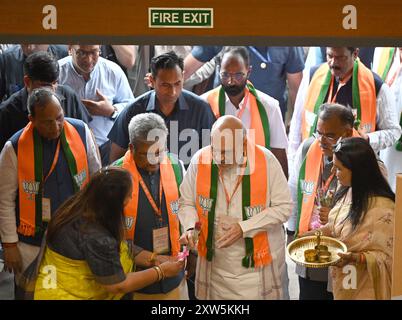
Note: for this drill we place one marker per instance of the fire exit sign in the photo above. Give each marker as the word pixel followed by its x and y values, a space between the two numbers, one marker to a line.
pixel 181 17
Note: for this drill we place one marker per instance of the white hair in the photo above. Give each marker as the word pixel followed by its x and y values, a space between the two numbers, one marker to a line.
pixel 147 127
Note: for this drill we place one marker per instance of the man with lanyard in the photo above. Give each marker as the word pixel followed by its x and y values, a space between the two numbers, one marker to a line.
pixel 42 165
pixel 151 214
pixel 240 201
pixel 388 64
pixel 236 96
pixel 312 183
pixel 345 80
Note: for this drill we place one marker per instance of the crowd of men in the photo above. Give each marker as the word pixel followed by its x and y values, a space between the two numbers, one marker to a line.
pixel 68 111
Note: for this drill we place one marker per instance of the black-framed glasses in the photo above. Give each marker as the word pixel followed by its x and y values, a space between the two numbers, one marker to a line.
pixel 238 76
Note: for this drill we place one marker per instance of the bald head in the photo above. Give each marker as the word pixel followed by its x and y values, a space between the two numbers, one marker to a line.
pixel 228 139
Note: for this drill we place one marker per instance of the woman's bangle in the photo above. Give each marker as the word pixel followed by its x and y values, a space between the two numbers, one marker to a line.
pixel 159 272
pixel 163 274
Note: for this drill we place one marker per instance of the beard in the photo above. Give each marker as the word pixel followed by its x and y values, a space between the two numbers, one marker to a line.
pixel 234 90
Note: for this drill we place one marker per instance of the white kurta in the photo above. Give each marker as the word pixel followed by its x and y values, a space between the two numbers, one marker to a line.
pixel 225 277
pixel 278 137
pixel 392 158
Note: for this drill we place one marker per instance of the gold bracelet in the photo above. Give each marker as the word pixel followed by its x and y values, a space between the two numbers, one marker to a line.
pixel 163 274
pixel 159 272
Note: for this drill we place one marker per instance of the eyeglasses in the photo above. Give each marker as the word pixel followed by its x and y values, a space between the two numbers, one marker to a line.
pixel 318 136
pixel 81 53
pixel 238 76
pixel 337 147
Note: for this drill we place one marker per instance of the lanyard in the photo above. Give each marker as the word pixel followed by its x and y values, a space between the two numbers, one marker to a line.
pixel 238 182
pixel 340 85
pixel 266 59
pixel 53 166
pixel 322 191
pixel 151 200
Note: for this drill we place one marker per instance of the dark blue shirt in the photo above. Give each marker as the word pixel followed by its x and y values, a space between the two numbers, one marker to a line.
pixel 12 71
pixel 191 114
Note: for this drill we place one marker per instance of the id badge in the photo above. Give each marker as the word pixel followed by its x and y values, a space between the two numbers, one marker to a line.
pixel 160 238
pixel 46 209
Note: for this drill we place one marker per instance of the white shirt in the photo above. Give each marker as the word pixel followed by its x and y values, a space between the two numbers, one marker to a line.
pixel 106 76
pixel 388 129
pixel 278 138
pixel 391 157
pixel 228 278
pixel 9 184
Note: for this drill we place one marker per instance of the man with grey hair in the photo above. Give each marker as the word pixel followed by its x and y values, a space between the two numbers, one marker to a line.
pixel 312 184
pixel 151 213
pixel 42 165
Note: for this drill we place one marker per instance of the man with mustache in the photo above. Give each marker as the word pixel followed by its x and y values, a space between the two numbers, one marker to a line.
pixel 344 79
pixel 312 180
pixel 102 86
pixel 236 96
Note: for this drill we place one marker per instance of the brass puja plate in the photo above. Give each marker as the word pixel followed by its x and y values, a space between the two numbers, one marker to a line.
pixel 296 251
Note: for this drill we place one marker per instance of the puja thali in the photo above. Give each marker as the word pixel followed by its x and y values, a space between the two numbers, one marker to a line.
pixel 315 251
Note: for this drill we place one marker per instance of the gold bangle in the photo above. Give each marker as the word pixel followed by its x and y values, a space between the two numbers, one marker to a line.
pixel 159 272
pixel 163 274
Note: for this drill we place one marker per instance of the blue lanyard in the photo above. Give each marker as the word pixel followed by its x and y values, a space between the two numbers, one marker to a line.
pixel 266 59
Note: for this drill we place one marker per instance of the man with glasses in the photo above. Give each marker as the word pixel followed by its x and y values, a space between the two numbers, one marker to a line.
pixel 102 86
pixel 238 194
pixel 151 213
pixel 259 113
pixel 345 79
pixel 40 70
pixel 312 183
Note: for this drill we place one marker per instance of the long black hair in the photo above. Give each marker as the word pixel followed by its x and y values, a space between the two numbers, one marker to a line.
pixel 100 201
pixel 357 155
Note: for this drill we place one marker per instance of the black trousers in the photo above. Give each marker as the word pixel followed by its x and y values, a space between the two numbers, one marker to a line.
pixel 314 290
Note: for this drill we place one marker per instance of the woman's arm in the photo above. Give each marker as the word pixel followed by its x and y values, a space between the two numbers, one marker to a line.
pixel 141 279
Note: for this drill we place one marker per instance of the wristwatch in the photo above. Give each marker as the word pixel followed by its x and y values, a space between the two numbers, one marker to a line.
pixel 289 232
pixel 114 114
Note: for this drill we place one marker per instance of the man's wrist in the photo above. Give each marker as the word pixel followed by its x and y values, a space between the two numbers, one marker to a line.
pixel 9 244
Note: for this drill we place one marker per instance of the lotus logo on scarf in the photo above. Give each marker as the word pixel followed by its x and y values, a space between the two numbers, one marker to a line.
pixel 30 188
pixel 205 203
pixel 80 178
pixel 174 205
pixel 129 222
pixel 307 187
pixel 252 211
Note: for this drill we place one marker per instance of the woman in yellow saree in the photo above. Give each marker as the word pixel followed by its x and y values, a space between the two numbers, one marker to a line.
pixel 362 218
pixel 85 256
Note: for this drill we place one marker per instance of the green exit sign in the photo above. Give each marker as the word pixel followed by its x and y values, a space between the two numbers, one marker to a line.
pixel 181 17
